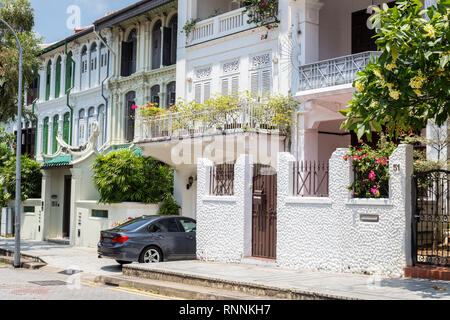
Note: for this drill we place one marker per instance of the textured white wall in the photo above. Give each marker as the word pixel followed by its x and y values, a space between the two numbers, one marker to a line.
pixel 313 233
pixel 223 222
pixel 328 234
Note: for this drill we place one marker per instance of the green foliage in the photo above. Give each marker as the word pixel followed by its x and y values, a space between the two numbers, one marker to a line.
pixel 31 178
pixel 263 13
pixel 221 111
pixel 409 83
pixel 7 144
pixel 19 14
pixel 371 169
pixel 169 207
pixel 123 176
pixel 190 26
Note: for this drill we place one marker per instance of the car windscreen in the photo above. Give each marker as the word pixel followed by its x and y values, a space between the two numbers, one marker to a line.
pixel 132 225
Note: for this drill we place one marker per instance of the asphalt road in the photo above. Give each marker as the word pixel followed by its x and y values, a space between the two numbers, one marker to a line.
pixel 21 284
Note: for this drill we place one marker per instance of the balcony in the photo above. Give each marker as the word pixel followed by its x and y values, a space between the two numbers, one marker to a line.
pixel 183 125
pixel 219 26
pixel 334 72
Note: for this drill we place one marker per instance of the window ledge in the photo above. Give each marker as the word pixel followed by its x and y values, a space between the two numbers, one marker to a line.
pixel 220 198
pixel 309 200
pixel 369 202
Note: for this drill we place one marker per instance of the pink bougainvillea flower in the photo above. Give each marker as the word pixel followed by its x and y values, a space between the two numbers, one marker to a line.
pixel 134 107
pixel 372 175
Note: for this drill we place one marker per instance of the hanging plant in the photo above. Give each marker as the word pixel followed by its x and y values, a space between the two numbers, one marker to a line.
pixel 262 13
pixel 190 26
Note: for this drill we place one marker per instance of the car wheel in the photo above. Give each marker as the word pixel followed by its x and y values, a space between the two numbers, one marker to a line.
pixel 121 262
pixel 151 255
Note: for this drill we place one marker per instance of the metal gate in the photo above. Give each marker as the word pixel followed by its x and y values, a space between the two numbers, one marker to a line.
pixel 431 213
pixel 264 212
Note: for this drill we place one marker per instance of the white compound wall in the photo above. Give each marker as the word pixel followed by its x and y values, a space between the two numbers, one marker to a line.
pixel 337 234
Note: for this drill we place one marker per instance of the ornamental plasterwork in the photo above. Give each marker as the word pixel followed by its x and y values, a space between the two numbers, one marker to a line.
pixel 203 73
pixel 260 61
pixel 230 66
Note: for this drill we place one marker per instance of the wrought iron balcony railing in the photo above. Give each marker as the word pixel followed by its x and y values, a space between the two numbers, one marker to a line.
pixel 335 71
pixel 185 124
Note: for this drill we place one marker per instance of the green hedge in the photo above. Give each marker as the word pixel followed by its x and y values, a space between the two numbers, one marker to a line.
pixel 124 176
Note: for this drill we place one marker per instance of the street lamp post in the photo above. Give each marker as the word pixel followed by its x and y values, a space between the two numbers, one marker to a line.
pixel 18 155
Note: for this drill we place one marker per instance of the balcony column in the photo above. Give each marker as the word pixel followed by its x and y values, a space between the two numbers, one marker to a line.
pixel 53 78
pixel 163 23
pixel 299 23
pixel 185 12
pixel 62 90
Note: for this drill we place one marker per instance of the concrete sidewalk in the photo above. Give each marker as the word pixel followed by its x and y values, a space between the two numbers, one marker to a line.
pixel 337 285
pixel 66 257
pixel 350 286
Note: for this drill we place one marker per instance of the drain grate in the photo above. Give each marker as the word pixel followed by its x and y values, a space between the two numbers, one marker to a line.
pixel 70 272
pixel 49 283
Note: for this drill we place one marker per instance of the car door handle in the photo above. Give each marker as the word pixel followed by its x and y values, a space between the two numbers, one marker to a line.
pixel 190 237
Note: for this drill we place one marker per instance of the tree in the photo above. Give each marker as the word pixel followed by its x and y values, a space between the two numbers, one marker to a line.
pixel 31 178
pixel 20 16
pixel 7 143
pixel 409 84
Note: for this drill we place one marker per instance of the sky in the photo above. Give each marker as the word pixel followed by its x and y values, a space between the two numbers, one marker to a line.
pixel 55 19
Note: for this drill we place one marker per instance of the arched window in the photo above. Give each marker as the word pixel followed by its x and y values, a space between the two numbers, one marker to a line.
pixel 130 115
pixel 129 53
pixel 93 66
pixel 81 127
pixel 45 137
pixel 58 78
pixel 171 94
pixel 66 127
pixel 156 45
pixel 48 80
pixel 155 94
pixel 84 69
pixel 69 72
pixel 101 119
pixel 91 120
pixel 170 42
pixel 103 62
pixel 55 133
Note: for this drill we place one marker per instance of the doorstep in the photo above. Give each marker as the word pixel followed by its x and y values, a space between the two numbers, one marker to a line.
pixel 64 241
pixel 428 272
pixel 259 261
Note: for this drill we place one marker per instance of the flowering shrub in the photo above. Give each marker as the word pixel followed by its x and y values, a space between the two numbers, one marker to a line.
pixel 150 110
pixel 371 169
pixel 263 13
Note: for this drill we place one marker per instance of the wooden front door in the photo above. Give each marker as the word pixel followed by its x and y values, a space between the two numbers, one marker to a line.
pixel 66 206
pixel 264 212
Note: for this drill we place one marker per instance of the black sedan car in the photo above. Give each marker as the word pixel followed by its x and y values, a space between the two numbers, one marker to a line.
pixel 150 239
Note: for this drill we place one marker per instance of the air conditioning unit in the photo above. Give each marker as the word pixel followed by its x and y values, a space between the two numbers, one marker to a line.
pixel 7 222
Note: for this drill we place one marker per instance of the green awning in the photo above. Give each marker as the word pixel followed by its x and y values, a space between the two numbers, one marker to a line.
pixel 136 150
pixel 59 161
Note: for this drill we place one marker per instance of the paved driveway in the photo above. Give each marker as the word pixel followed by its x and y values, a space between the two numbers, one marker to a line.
pixel 66 257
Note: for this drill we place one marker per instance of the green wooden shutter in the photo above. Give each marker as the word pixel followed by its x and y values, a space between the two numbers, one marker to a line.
pixel 69 72
pixel 45 137
pixel 48 80
pixel 58 78
pixel 66 127
pixel 55 133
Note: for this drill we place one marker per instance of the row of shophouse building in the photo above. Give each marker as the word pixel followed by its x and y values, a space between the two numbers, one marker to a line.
pixel 89 82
